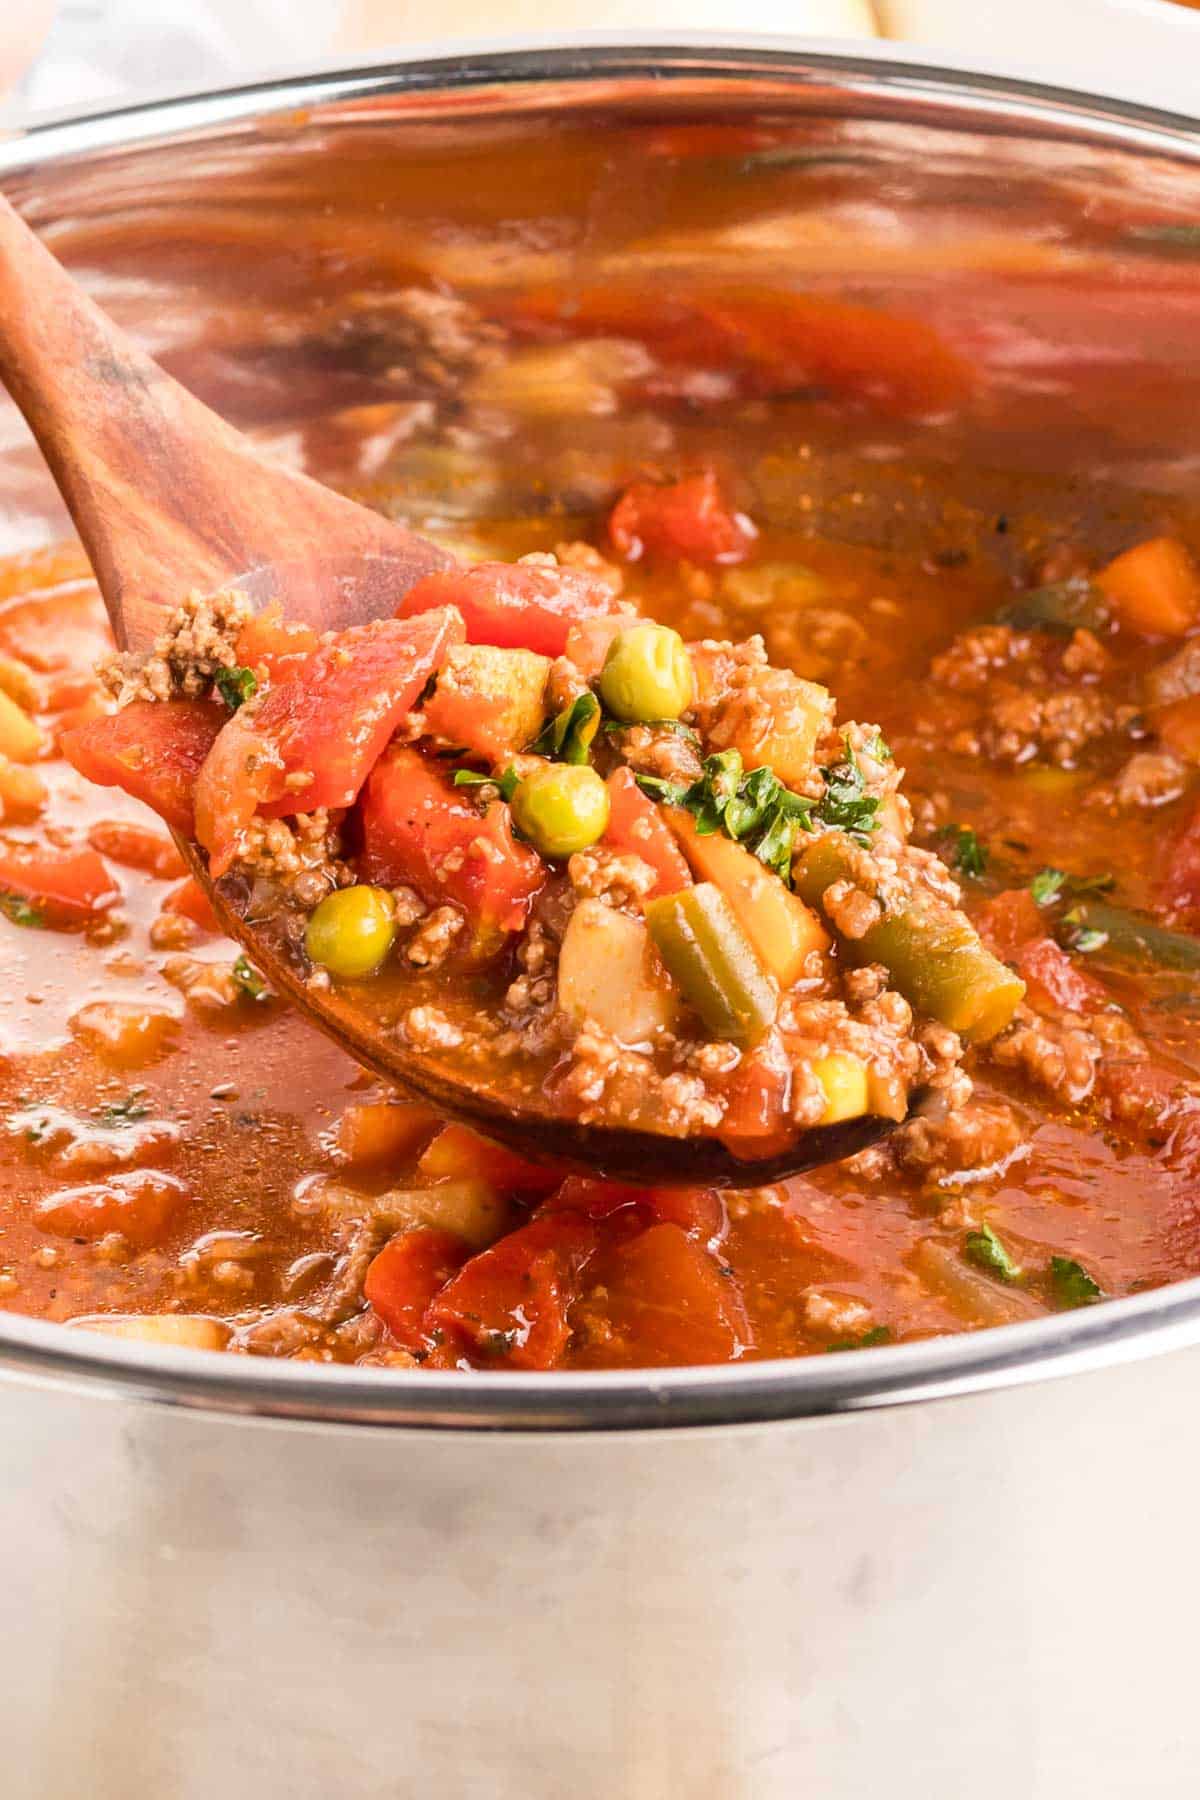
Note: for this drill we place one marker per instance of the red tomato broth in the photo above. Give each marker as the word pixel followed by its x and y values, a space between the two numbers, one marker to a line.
pixel 252 1097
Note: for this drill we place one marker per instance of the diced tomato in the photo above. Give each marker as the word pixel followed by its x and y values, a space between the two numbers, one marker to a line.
pixel 1008 921
pixel 137 847
pixel 1045 965
pixel 697 1211
pixel 1141 1096
pixel 459 1154
pixel 274 644
pixel 139 1205
pixel 69 886
pixel 687 519
pixel 190 899
pixel 1179 892
pixel 757 1120
pixel 155 751
pixel 636 827
pixel 419 831
pixel 516 606
pixel 514 1300
pixel 406 1275
pixel 329 721
pixel 669 1298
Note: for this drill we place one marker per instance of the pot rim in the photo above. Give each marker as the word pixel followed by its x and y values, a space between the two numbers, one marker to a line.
pixel 970 1363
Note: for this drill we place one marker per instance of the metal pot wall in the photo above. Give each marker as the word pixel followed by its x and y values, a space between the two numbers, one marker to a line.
pixel 925 1571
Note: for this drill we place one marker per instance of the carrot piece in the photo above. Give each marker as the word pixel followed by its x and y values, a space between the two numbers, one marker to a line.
pixel 1178 727
pixel 374 1131
pixel 488 702
pixel 458 1154
pixel 636 827
pixel 1155 588
pixel 782 928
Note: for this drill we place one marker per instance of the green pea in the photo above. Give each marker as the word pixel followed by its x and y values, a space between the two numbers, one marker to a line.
pixel 647 674
pixel 351 932
pixel 561 808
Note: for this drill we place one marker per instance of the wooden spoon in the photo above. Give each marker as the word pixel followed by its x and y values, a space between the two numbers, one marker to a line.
pixel 168 499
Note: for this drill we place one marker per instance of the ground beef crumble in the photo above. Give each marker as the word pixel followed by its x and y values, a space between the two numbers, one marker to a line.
pixel 199 639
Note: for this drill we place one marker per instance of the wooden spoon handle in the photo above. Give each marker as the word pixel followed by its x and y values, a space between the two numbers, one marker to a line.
pixel 165 496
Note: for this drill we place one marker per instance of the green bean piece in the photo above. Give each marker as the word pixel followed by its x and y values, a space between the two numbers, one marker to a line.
pixel 932 953
pixel 1127 934
pixel 1062 606
pixel 708 955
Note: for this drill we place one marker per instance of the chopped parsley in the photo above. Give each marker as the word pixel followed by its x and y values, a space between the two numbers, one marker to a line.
pixel 1071 1284
pixel 965 851
pixel 754 809
pixel 249 979
pixel 677 726
pixel 846 805
pixel 124 1112
pixel 568 736
pixel 878 1334
pixel 235 686
pixel 507 783
pixel 984 1249
pixel 21 911
pixel 1049 885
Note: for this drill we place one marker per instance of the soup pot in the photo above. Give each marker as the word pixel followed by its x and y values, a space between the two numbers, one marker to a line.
pixel 948 1568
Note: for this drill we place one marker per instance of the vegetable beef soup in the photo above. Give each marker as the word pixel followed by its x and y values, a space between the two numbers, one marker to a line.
pixel 692 798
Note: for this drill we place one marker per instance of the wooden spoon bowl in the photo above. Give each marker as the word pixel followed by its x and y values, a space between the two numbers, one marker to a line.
pixel 168 499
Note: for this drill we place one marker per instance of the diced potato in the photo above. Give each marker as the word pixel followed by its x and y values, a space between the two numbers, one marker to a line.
pixel 376 1131
pixel 185 1331
pixel 1154 588
pixel 770 585
pixel 777 721
pixel 459 1154
pixel 846 1081
pixel 122 1033
pixel 22 792
pixel 20 739
pixel 782 929
pixel 472 1210
pixel 19 682
pixel 609 973
pixel 487 701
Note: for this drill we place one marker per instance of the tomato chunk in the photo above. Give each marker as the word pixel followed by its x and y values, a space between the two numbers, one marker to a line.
pixel 419 831
pixel 514 1300
pixel 697 1211
pixel 1008 921
pixel 636 827
pixel 328 722
pixel 69 886
pixel 668 1297
pixel 139 1205
pixel 137 847
pixel 687 519
pixel 404 1278
pixel 275 645
pixel 153 750
pixel 1045 965
pixel 190 899
pixel 516 606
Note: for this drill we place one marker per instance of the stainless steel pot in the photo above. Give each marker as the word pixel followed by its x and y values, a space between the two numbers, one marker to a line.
pixel 927 1571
